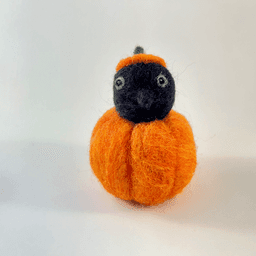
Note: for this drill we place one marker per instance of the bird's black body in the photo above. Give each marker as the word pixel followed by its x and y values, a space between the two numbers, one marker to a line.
pixel 143 92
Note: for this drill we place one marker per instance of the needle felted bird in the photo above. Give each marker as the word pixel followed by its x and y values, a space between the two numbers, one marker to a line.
pixel 141 149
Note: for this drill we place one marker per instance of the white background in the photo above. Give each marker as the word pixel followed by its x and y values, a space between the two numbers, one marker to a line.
pixel 57 61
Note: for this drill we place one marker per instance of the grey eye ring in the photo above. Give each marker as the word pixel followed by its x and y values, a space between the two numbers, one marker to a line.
pixel 119 83
pixel 162 81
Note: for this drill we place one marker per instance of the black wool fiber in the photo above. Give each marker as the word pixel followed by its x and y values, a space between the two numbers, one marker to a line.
pixel 138 50
pixel 143 92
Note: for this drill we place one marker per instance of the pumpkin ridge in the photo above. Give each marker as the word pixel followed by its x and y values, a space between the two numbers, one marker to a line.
pixel 118 125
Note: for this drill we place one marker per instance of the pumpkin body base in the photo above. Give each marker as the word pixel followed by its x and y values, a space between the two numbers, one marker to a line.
pixel 146 162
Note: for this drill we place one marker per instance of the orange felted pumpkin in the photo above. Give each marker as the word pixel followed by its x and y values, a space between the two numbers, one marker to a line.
pixel 141 149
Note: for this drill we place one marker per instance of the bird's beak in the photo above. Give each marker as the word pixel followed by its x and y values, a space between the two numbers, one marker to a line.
pixel 145 99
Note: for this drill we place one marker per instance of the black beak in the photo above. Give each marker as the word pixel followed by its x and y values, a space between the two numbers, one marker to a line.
pixel 145 99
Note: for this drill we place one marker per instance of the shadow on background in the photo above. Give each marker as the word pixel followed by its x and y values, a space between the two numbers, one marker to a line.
pixel 221 194
pixel 55 176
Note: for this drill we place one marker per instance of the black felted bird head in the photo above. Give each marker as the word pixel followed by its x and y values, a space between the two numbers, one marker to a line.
pixel 144 89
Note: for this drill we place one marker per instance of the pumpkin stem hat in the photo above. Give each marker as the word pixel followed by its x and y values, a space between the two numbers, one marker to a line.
pixel 139 57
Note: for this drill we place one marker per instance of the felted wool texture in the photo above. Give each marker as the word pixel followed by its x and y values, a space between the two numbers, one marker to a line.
pixel 148 162
pixel 139 58
pixel 141 99
pixel 141 149
pixel 138 50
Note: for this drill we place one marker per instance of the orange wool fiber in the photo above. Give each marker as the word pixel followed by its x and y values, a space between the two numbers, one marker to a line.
pixel 138 58
pixel 145 162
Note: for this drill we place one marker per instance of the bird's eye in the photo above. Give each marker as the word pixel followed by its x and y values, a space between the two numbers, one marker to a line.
pixel 119 83
pixel 162 80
